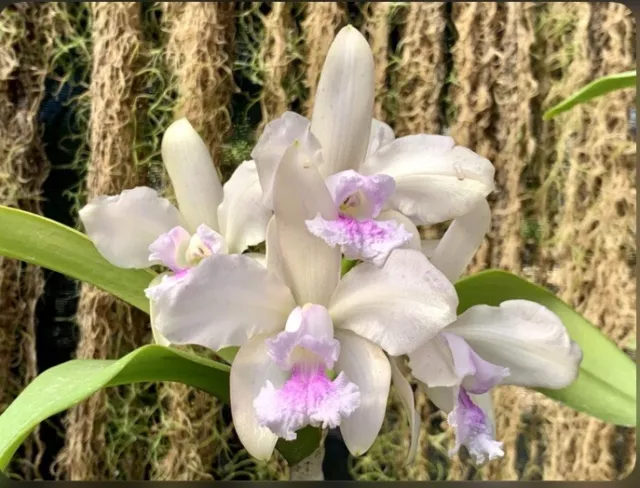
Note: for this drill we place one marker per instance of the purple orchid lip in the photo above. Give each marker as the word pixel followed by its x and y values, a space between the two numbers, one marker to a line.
pixel 473 430
pixel 360 200
pixel 309 397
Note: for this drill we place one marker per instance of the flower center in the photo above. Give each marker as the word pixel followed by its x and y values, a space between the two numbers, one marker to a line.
pixel 180 252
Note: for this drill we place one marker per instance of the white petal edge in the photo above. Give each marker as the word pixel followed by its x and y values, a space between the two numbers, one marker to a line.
pixel 259 257
pixel 367 366
pixel 405 392
pixel 435 180
pixel 381 135
pixel 242 216
pixel 250 370
pixel 343 105
pixel 399 306
pixel 223 302
pixel 525 337
pixel 276 138
pixel 311 268
pixel 193 175
pixel 158 338
pixel 123 226
pixel 461 241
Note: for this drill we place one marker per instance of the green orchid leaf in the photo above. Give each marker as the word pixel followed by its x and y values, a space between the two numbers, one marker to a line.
pixel 606 384
pixel 44 242
pixel 63 386
pixel 66 385
pixel 595 89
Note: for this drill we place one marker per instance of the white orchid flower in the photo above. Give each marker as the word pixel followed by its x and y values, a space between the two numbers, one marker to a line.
pixel 518 342
pixel 383 186
pixel 296 319
pixel 138 228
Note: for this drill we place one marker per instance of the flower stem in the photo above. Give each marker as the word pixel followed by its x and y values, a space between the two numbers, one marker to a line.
pixel 310 468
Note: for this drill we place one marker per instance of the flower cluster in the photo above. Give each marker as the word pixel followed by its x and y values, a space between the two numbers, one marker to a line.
pixel 317 347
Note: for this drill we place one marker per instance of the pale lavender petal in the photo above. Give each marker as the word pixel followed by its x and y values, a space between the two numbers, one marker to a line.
pixel 366 195
pixel 368 240
pixel 213 241
pixel 473 430
pixel 169 249
pixel 308 330
pixel 309 397
pixel 478 376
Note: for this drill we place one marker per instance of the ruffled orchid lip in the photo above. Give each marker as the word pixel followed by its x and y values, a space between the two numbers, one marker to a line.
pixel 473 430
pixel 309 397
pixel 360 200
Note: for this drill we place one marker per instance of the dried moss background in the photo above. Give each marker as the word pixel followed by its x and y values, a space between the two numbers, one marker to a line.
pixel 564 211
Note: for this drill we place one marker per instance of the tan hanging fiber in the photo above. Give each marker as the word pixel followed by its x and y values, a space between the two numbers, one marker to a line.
pixel 26 49
pixel 485 32
pixel 376 30
pixel 200 52
pixel 322 21
pixel 470 101
pixel 420 72
pixel 276 57
pixel 515 144
pixel 109 328
pixel 595 234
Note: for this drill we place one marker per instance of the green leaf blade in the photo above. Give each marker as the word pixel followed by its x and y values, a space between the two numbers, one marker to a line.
pixel 595 89
pixel 606 384
pixel 44 242
pixel 63 386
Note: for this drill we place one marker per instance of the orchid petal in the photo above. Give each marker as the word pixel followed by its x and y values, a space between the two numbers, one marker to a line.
pixel 123 226
pixel 311 268
pixel 223 302
pixel 432 364
pixel 367 366
pixel 399 306
pixel 343 104
pixel 193 175
pixel 242 216
pixel 405 392
pixel 442 397
pixel 276 138
pixel 273 255
pixel 259 257
pixel 381 135
pixel 251 369
pixel 435 180
pixel 461 241
pixel 525 337
pixel 429 246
